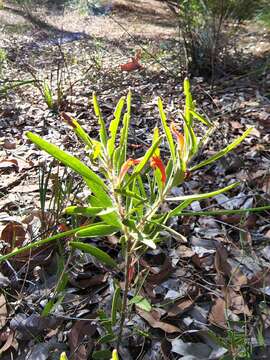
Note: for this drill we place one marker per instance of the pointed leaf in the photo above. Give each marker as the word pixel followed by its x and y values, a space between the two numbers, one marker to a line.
pixel 115 303
pixel 87 211
pixel 166 129
pixel 67 159
pixel 200 118
pixel 102 130
pixel 225 212
pixel 99 229
pixel 222 152
pixel 79 131
pixel 102 355
pixel 141 302
pixel 94 251
pixel 114 126
pixel 204 195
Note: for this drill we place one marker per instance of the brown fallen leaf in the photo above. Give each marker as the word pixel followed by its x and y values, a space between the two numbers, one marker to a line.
pixel 180 307
pixel 9 145
pixel 217 313
pixel 153 318
pixel 236 125
pixel 14 235
pixel 266 184
pixel 222 266
pixel 9 164
pixel 164 271
pixel 89 282
pixel 3 311
pixel 8 343
pixel 236 302
pixel 185 251
pixel 80 340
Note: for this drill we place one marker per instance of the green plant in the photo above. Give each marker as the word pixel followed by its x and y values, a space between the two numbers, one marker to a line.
pixel 205 34
pixel 235 341
pixel 48 95
pixel 127 196
pixel 3 58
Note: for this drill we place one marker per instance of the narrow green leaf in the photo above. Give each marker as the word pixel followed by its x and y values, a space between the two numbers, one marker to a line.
pixel 105 339
pixel 148 242
pixel 204 195
pixel 99 229
pixel 67 159
pixel 101 355
pixel 102 130
pixel 200 118
pixel 225 212
pixel 166 129
pixel 39 243
pixel 79 131
pixel 115 303
pixel 188 102
pixel 114 126
pixel 141 302
pixel 222 152
pixel 149 153
pixel 129 193
pixel 120 154
pixel 103 200
pixel 176 234
pixel 94 251
pixel 178 210
pixel 139 168
pixel 87 211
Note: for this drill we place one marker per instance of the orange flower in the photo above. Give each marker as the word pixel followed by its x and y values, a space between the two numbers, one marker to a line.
pixel 180 139
pixel 157 163
pixel 132 65
pixel 125 167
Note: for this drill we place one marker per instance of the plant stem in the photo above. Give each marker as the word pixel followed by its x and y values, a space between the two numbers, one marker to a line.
pixel 125 295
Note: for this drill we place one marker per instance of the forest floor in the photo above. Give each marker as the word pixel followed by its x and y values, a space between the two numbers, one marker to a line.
pixel 209 295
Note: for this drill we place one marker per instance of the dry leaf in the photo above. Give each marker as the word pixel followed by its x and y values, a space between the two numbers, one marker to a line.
pixel 221 264
pixel 184 251
pixel 3 311
pixel 9 145
pixel 162 275
pixel 180 307
pixel 80 340
pixel 236 125
pixel 9 164
pixel 236 302
pixel 8 342
pixel 153 319
pixel 217 313
pixel 13 234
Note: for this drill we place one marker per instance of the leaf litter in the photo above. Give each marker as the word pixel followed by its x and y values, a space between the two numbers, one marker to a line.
pixel 218 278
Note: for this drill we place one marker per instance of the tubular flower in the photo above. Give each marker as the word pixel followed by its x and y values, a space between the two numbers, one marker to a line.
pixel 180 139
pixel 157 163
pixel 126 166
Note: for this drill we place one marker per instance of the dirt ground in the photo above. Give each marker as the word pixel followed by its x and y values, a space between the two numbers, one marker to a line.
pixel 80 53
